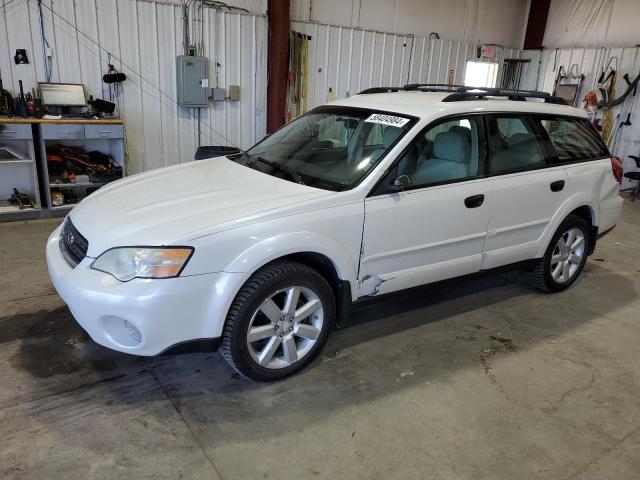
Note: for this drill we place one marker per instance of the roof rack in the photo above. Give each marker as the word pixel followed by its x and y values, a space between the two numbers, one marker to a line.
pixel 459 93
pixel 475 93
pixel 423 87
pixel 432 87
pixel 380 90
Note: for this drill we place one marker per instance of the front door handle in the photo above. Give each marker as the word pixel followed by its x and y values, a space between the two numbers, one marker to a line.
pixel 474 201
pixel 557 185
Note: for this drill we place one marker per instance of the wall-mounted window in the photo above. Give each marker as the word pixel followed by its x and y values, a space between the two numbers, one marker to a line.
pixel 481 74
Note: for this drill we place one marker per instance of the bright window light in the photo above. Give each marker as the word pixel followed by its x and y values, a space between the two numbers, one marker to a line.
pixel 481 74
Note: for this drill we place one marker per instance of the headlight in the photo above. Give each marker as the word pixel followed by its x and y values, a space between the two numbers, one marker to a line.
pixel 127 263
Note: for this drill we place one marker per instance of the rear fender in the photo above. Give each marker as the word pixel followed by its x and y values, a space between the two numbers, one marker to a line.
pixel 573 202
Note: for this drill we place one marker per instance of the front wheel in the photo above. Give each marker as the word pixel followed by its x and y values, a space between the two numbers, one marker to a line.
pixel 565 257
pixel 278 322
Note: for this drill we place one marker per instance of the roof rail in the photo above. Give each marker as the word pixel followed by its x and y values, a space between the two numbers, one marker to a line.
pixel 380 90
pixel 423 87
pixel 461 93
pixel 471 93
pixel 432 87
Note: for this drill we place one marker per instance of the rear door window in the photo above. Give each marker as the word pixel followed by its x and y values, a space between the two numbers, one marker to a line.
pixel 574 139
pixel 515 144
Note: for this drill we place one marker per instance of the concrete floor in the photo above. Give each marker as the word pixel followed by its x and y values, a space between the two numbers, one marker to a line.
pixel 471 379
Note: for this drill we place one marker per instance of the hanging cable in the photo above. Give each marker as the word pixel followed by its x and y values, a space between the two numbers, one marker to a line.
pixel 7 3
pixel 46 48
pixel 223 6
pixel 185 29
pixel 199 128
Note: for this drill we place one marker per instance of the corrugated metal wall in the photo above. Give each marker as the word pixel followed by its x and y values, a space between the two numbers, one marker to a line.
pixel 144 38
pixel 433 58
pixel 543 69
pixel 348 60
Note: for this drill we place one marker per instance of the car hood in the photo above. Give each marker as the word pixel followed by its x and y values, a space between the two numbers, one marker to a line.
pixel 174 204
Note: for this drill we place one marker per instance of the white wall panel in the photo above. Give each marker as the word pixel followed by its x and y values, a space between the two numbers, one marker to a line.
pixel 433 58
pixel 592 23
pixel 348 60
pixel 143 38
pixel 487 21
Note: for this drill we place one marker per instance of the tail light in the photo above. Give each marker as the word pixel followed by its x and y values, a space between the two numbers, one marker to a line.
pixel 616 166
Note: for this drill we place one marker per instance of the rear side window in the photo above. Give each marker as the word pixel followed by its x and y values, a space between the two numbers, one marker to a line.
pixel 514 144
pixel 574 139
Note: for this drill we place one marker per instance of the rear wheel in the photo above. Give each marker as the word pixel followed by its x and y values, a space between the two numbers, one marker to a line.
pixel 278 322
pixel 565 257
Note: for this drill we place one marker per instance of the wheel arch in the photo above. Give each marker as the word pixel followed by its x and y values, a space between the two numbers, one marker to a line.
pixel 321 253
pixel 587 213
pixel 580 205
pixel 341 288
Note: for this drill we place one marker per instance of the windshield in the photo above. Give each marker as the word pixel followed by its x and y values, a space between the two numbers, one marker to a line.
pixel 330 147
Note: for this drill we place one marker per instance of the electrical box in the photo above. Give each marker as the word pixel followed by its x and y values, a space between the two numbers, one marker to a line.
pixel 193 81
pixel 218 94
pixel 234 93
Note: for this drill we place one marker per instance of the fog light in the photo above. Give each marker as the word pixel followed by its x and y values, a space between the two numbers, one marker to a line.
pixel 121 332
pixel 133 332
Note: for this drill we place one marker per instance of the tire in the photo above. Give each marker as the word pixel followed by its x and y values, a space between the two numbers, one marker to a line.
pixel 546 275
pixel 262 307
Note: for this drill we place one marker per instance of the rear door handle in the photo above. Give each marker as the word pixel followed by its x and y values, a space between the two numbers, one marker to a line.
pixel 557 185
pixel 474 201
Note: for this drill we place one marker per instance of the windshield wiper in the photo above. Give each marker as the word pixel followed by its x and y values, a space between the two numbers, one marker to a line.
pixel 283 168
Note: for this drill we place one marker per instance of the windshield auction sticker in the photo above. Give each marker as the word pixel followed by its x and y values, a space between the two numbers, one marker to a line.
pixel 387 120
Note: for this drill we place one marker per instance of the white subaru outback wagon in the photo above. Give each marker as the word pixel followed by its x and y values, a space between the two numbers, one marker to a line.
pixel 263 251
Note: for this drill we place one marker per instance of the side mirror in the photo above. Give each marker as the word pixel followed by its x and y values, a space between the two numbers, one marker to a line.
pixel 402 182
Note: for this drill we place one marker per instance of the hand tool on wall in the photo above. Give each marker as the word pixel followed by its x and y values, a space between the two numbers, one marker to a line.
pixel 31 105
pixel 608 75
pixel 609 102
pixel 632 86
pixel 36 102
pixel 6 102
pixel 607 87
pixel 21 102
pixel 558 77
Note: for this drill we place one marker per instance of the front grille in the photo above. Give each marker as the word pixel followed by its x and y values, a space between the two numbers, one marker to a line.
pixel 72 244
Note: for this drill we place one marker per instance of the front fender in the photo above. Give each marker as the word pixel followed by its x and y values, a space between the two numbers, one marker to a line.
pixel 258 255
pixel 278 246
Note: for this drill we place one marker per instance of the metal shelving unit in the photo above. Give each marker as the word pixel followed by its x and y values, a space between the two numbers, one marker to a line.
pixel 19 173
pixel 105 138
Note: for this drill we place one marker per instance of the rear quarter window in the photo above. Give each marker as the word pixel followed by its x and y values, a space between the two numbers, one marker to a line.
pixel 574 139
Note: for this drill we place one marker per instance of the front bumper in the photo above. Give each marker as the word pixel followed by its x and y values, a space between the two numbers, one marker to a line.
pixel 142 316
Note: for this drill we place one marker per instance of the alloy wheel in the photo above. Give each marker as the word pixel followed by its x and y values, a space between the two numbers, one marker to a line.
pixel 567 255
pixel 285 327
